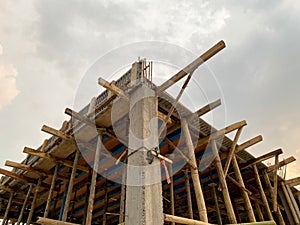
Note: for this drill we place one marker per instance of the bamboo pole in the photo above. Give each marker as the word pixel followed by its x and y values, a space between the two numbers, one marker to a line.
pixel 219 218
pixel 244 193
pixel 51 192
pixel 24 204
pixel 90 208
pixel 70 187
pixel 222 180
pixel 194 173
pixel 290 204
pixel 33 203
pixel 5 217
pixel 188 194
pixel 262 193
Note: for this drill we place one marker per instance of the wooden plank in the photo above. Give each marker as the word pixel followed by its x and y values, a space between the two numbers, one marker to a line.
pixel 293 182
pixel 6 188
pixel 48 156
pixel 181 220
pixel 249 143
pixel 32 169
pixel 113 88
pixel 209 107
pixel 261 158
pixel 18 176
pixel 46 221
pixel 282 163
pixel 192 66
pixel 56 133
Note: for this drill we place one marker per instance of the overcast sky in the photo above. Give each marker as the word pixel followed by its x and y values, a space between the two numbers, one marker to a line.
pixel 46 47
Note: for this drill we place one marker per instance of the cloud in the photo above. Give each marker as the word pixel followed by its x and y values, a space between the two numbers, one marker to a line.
pixel 8 87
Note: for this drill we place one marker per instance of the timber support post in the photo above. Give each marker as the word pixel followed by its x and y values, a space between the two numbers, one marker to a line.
pixel 195 173
pixel 70 187
pixel 225 192
pixel 24 204
pixel 33 203
pixel 51 191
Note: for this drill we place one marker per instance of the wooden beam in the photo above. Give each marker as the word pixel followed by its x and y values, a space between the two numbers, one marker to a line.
pixel 56 133
pixel 293 182
pixel 46 221
pixel 113 88
pixel 282 163
pixel 249 143
pixel 188 193
pixel 219 133
pixel 181 220
pixel 219 217
pixel 18 176
pixel 48 156
pixel 208 107
pixel 238 184
pixel 6 188
pixel 79 117
pixel 44 145
pixel 261 158
pixel 31 169
pixel 192 66
pixel 275 179
pixel 8 207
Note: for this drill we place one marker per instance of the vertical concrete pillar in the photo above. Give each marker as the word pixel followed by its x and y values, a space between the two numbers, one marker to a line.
pixel 144 189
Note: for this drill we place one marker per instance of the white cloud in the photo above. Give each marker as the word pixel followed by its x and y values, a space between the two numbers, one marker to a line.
pixel 8 88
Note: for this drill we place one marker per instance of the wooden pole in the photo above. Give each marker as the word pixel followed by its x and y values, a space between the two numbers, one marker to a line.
pixel 225 192
pixel 90 208
pixel 123 196
pixel 172 192
pixel 51 192
pixel 244 193
pixel 258 211
pixel 46 221
pixel 70 187
pixel 33 203
pixel 219 218
pixel 105 203
pixel 5 217
pixel 275 207
pixel 24 204
pixel 194 173
pixel 192 66
pixel 188 194
pixel 289 201
pixel 208 107
pixel 269 189
pixel 262 193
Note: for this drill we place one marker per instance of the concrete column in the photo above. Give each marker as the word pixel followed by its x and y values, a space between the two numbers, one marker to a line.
pixel 144 189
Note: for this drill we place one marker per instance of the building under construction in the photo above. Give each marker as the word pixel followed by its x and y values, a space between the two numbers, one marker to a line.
pixel 135 155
